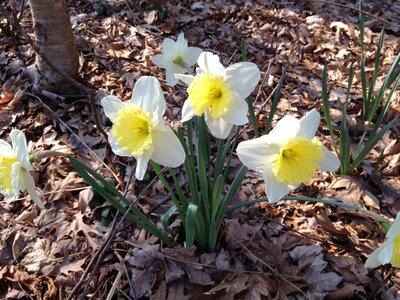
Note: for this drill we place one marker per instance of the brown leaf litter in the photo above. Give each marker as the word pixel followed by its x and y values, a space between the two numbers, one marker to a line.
pixel 288 250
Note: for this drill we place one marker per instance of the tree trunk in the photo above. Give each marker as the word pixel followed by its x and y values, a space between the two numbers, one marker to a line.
pixel 57 42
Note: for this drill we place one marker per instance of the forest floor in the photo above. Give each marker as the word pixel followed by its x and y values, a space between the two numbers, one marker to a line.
pixel 287 250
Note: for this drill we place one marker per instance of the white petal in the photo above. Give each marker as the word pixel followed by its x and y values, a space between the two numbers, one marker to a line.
pixel 218 127
pixel 394 230
pixel 242 77
pixel 309 124
pixel 20 148
pixel 168 150
pixel 171 72
pixel 5 148
pixel 111 106
pixel 15 182
pixel 286 128
pixel 161 61
pixel 257 154
pixel 329 162
pixel 170 77
pixel 168 46
pixel 115 148
pixel 147 94
pixel 275 190
pixel 386 253
pixel 209 63
pixel 16 178
pixel 141 165
pixel 181 42
pixel 185 78
pixel 237 113
pixel 29 185
pixel 373 259
pixel 192 55
pixel 188 112
pixel 200 71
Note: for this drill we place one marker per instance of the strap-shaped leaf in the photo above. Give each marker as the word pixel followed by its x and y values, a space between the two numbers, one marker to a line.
pixel 111 194
pixel 191 224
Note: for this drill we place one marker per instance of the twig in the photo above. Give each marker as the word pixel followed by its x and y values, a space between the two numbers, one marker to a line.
pixel 114 286
pixel 58 191
pixel 78 138
pixel 212 266
pixel 94 262
pixel 271 269
pixel 122 261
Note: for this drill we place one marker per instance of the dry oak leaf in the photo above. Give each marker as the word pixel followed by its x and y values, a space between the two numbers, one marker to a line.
pixel 349 190
pixel 146 262
pixel 311 258
pixel 79 225
pixel 40 257
pixel 73 267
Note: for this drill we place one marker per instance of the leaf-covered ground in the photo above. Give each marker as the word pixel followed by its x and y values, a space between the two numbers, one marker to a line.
pixel 289 250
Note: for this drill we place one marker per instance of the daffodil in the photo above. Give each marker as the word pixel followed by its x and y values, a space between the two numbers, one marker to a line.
pixel 14 166
pixel 389 252
pixel 289 155
pixel 139 129
pixel 177 57
pixel 219 93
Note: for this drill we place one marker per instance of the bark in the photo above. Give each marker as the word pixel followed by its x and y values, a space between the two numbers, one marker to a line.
pixel 56 40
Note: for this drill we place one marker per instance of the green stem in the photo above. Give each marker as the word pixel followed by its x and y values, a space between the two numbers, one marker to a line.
pixel 38 156
pixel 252 114
pixel 354 207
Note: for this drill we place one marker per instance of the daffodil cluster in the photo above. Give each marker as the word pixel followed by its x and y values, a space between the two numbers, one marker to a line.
pixel 288 156
pixel 216 98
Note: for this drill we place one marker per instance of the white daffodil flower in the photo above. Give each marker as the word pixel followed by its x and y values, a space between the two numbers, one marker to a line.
pixel 289 155
pixel 176 58
pixel 139 129
pixel 14 166
pixel 218 93
pixel 389 252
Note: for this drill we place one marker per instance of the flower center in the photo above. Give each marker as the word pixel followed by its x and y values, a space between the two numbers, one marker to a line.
pixel 133 130
pixel 209 91
pixel 395 261
pixel 297 160
pixel 6 163
pixel 178 60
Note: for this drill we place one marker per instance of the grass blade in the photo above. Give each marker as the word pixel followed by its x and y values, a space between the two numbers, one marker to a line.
pixel 325 102
pixel 372 141
pixel 344 155
pixel 108 192
pixel 190 224
pixel 376 69
pixel 165 218
pixel 275 101
pixel 232 190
